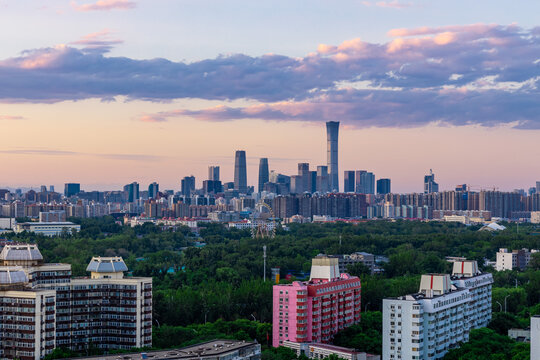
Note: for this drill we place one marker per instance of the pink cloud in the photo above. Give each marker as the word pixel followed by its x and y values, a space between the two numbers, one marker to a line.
pixel 474 28
pixel 101 39
pixel 37 59
pixel 104 5
pixel 11 117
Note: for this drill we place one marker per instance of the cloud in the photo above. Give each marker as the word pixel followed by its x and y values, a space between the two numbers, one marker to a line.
pixel 10 117
pixel 388 4
pixel 455 67
pixel 54 152
pixel 386 108
pixel 101 41
pixel 104 5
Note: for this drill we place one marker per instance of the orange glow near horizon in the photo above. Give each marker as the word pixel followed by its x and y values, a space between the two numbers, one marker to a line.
pixel 105 145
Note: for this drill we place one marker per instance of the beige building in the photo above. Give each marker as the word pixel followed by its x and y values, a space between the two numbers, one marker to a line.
pixel 107 309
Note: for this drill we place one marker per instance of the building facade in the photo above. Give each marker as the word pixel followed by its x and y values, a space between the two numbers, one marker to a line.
pixel 240 172
pixel 315 310
pixel 535 337
pixel 332 134
pixel 264 174
pixel 427 324
pixel 513 260
pixel 107 310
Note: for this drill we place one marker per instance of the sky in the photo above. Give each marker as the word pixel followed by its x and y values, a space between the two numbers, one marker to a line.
pixel 107 92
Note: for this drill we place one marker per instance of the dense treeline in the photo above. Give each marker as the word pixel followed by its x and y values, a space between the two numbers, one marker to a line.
pixel 222 281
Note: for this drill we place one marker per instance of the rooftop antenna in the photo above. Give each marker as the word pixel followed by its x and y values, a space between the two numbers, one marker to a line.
pixel 264 263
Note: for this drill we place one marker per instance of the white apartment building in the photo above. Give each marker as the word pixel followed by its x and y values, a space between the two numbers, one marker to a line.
pixel 427 324
pixel 535 337
pixel 439 317
pixel 513 260
pixel 465 274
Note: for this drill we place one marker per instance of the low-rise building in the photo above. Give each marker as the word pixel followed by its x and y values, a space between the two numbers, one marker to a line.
pixel 513 260
pixel 211 350
pixel 321 351
pixel 347 260
pixel 48 228
pixel 520 335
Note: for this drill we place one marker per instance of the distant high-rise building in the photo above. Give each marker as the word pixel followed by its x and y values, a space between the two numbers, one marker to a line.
pixel 348 181
pixel 461 187
pixel 332 135
pixel 264 174
pixel 240 172
pixel 365 182
pixel 71 189
pixel 304 174
pixel 430 186
pixel 43 189
pixel 213 173
pixel 131 192
pixel 51 188
pixel 383 186
pixel 538 187
pixel 153 190
pixel 188 185
pixel 322 179
pixel 312 181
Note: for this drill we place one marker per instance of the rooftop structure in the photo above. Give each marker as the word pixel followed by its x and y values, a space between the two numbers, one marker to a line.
pixel 106 266
pixel 20 254
pixel 12 275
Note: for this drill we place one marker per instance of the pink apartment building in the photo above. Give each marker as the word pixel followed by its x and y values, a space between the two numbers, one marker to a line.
pixel 315 310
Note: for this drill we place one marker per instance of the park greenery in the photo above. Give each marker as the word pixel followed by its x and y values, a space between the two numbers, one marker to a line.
pixel 216 290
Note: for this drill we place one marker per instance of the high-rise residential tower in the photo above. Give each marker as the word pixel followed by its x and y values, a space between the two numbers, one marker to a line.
pixel 348 181
pixel 240 172
pixel 263 173
pixel 153 190
pixel 332 135
pixel 430 186
pixel 213 173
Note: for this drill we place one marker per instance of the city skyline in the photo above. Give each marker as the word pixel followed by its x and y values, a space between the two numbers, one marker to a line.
pixel 398 75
